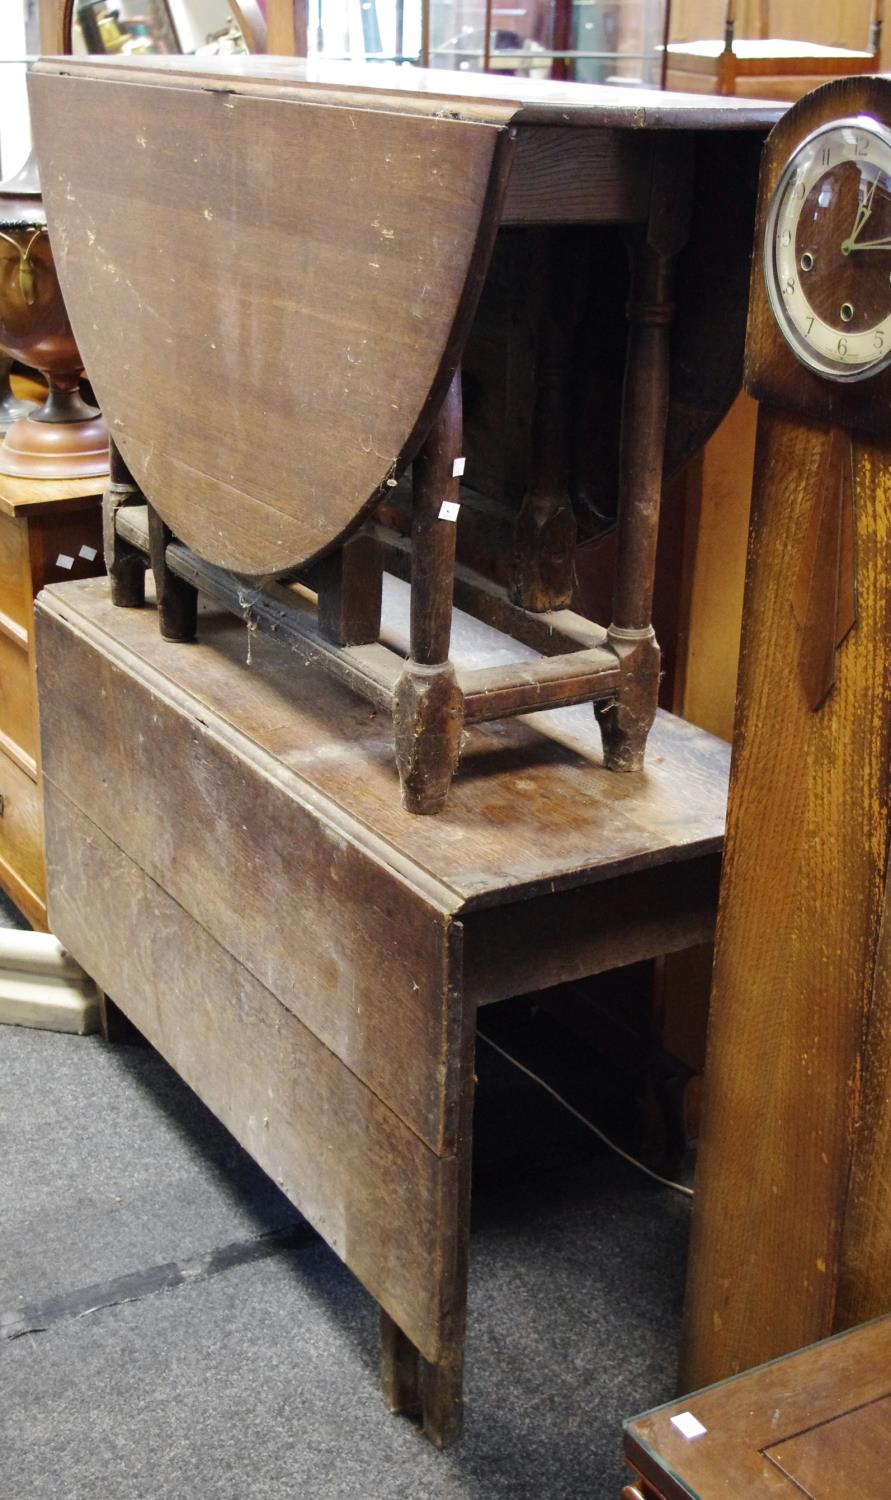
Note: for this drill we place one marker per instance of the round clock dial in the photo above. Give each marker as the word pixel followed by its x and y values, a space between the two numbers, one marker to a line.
pixel 828 249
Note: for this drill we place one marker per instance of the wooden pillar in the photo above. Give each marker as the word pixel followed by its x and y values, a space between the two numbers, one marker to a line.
pixel 124 563
pixel 428 706
pixel 625 721
pixel 177 600
pixel 286 23
pixel 543 551
pixel 400 1369
pixel 349 584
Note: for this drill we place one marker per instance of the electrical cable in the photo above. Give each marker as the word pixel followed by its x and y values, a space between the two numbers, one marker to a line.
pixel 678 1187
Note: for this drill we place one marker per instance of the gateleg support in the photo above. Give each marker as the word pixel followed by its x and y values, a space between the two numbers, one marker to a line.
pixel 177 600
pixel 428 704
pixel 124 563
pixel 349 584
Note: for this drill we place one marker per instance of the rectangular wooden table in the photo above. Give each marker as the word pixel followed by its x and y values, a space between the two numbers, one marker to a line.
pixel 815 1424
pixel 229 860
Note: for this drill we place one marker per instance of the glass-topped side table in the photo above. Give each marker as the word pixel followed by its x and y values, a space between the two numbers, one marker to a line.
pixel 816 1423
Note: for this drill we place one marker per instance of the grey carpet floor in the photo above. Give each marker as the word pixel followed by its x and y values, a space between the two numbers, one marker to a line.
pixel 169 1329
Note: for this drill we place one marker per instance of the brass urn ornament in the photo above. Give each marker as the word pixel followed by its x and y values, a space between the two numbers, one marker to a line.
pixel 65 438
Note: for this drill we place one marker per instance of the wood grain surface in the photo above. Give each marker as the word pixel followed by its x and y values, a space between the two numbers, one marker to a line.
pixel 21 839
pixel 321 1134
pixel 426 90
pixel 223 840
pixel 813 1424
pixel 264 267
pixel 300 953
pixel 794 1029
pixel 25 497
pixel 579 822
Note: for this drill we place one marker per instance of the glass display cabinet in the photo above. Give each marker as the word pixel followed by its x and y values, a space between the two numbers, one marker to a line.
pixel 588 41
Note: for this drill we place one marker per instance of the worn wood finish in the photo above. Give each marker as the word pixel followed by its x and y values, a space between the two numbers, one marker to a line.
pixel 279 888
pixel 280 1091
pixel 177 599
pixel 348 586
pixel 815 1423
pixel 390 936
pixel 474 96
pixel 363 283
pixel 426 690
pixel 801 907
pixel 791 1235
pixel 400 1370
pixel 373 359
pixel 509 950
pixel 579 824
pixel 428 706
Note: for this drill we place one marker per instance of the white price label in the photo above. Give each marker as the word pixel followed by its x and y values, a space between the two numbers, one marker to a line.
pixel 449 509
pixel 687 1425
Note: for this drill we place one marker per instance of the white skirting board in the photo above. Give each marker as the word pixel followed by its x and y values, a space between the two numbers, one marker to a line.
pixel 42 986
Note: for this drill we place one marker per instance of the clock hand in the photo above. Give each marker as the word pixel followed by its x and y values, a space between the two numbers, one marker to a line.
pixel 864 210
pixel 871 245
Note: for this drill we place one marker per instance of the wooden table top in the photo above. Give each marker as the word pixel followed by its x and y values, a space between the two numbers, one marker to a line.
pixel 531 808
pixel 292 338
pixel 523 101
pixel 815 1424
pixel 29 497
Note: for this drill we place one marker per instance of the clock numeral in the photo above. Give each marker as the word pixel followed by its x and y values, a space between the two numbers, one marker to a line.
pixel 825 156
pixel 878 339
pixel 786 238
pixel 842 347
pixel 861 146
pixel 798 190
pixel 788 287
pixel 810 324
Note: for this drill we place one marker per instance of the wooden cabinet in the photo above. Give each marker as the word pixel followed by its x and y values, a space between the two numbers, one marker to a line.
pixel 49 530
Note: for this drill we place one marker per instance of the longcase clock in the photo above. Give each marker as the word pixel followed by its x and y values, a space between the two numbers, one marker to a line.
pixel 792 1218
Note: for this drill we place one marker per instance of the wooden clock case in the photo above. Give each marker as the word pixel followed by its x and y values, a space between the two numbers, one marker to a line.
pixel 791 1236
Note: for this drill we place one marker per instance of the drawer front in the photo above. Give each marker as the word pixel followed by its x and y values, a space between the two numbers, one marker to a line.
pixel 15 572
pixel 18 719
pixel 21 837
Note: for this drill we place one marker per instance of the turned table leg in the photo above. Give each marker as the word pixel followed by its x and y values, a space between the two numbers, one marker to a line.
pixel 543 551
pixel 625 721
pixel 428 707
pixel 177 600
pixel 124 563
